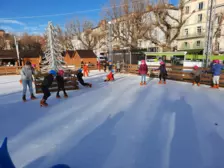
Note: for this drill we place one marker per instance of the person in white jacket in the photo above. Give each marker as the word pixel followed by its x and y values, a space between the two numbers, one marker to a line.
pixel 27 79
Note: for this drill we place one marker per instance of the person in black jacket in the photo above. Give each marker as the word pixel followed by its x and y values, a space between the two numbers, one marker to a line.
pixel 47 82
pixel 80 79
pixel 163 72
pixel 61 83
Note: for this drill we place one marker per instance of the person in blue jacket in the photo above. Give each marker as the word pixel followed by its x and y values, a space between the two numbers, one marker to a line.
pixel 216 71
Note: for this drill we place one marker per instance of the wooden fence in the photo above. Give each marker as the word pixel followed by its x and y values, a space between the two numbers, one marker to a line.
pixel 10 70
pixel 178 73
pixel 71 82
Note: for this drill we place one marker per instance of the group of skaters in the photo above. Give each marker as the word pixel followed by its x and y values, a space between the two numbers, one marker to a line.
pixel 215 69
pixel 109 65
pixel 28 71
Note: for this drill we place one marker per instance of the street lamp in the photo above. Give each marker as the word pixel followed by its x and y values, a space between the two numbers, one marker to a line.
pixel 110 40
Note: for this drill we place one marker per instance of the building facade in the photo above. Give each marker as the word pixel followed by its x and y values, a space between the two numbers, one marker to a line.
pixel 193 33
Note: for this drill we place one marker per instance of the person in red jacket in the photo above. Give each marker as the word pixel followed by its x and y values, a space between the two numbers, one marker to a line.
pixel 143 70
pixel 110 77
pixel 86 70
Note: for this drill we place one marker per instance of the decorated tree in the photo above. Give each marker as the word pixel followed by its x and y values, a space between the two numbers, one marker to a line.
pixel 53 59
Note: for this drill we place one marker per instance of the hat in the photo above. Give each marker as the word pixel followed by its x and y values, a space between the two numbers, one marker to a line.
pixel 195 67
pixel 216 61
pixel 142 61
pixel 80 70
pixel 162 63
pixel 61 72
pixel 53 72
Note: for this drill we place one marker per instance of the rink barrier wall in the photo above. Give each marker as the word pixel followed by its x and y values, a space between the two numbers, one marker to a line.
pixel 71 82
pixel 177 73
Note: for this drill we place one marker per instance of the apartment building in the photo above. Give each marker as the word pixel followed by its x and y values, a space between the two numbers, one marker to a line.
pixel 193 33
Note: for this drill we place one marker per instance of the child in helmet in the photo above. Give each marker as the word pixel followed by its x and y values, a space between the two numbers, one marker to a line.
pixel 110 76
pixel 196 75
pixel 80 79
pixel 61 83
pixel 143 70
pixel 216 71
pixel 47 82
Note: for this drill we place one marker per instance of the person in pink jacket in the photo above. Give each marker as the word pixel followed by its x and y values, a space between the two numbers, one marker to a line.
pixel 143 70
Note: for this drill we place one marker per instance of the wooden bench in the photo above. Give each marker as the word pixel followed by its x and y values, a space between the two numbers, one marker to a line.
pixel 71 82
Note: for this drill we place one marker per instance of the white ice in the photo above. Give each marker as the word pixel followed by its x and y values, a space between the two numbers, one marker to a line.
pixel 115 125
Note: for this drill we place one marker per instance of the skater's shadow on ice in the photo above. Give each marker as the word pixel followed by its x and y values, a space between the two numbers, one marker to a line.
pixel 91 151
pixel 217 146
pixel 183 151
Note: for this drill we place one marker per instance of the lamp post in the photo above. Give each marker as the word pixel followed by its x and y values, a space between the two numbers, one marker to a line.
pixel 110 40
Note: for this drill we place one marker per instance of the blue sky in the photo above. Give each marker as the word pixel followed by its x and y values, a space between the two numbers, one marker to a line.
pixel 12 10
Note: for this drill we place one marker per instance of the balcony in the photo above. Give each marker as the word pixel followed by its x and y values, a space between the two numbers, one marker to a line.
pixel 191 36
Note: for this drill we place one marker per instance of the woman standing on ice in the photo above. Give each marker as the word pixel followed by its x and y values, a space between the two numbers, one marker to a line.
pixel 27 79
pixel 143 70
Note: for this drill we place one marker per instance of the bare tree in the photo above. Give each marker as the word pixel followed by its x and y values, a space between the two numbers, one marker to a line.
pixel 65 38
pixel 128 22
pixel 217 33
pixel 85 33
pixel 167 20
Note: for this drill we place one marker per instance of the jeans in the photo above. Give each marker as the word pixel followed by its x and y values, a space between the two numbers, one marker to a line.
pixel 29 84
pixel 143 78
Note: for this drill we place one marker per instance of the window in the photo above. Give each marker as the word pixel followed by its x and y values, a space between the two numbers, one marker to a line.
pixel 219 19
pixel 187 10
pixel 200 18
pixel 198 43
pixel 199 30
pixel 186 32
pixel 185 44
pixel 200 6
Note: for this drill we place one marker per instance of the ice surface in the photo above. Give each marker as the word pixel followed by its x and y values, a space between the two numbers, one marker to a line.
pixel 115 125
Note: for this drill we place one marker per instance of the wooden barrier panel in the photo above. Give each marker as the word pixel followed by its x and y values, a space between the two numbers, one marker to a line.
pixel 71 82
pixel 178 73
pixel 10 70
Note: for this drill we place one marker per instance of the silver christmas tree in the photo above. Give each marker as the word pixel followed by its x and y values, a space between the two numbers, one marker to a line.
pixel 53 59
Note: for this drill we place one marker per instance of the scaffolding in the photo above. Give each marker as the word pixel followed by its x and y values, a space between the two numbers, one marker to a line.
pixel 210 19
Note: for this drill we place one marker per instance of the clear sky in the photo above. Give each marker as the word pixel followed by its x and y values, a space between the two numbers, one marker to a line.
pixel 11 12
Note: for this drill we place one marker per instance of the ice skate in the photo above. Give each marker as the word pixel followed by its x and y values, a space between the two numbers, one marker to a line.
pixel 193 83
pixel 160 82
pixel 199 84
pixel 141 83
pixel 217 86
pixel 164 82
pixel 144 83
pixel 65 96
pixel 58 96
pixel 32 97
pixel 24 98
pixel 90 85
pixel 43 103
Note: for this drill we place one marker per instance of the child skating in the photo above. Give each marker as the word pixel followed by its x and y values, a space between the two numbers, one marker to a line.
pixel 162 73
pixel 110 77
pixel 80 79
pixel 143 70
pixel 47 82
pixel 216 71
pixel 61 84
pixel 196 75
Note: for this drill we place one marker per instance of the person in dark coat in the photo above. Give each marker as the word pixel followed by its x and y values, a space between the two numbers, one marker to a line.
pixel 162 73
pixel 47 82
pixel 143 70
pixel 80 79
pixel 61 84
